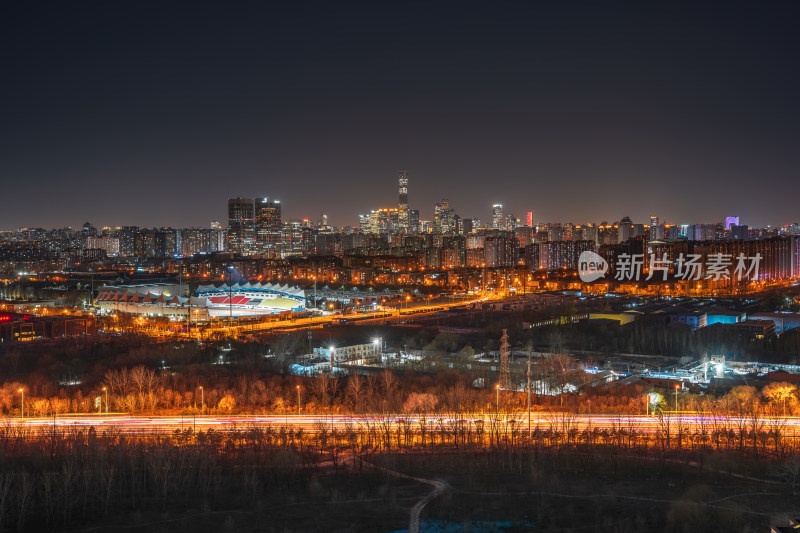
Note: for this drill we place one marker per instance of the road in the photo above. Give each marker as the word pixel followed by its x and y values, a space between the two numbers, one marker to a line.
pixel 314 423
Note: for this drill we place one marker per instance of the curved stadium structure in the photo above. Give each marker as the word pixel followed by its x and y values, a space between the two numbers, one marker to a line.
pixel 249 299
pixel 240 299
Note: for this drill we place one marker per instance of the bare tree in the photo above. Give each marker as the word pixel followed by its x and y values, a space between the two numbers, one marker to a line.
pixel 355 386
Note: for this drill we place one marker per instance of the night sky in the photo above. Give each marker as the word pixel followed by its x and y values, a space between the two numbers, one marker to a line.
pixel 136 113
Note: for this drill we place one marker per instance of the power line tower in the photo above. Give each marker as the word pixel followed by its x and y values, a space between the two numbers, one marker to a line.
pixel 505 377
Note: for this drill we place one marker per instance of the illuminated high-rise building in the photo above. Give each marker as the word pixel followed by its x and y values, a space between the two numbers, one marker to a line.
pixel 241 226
pixel 413 221
pixel 268 226
pixel 654 228
pixel 731 221
pixel 444 218
pixel 497 216
pixel 402 208
pixel 379 221
pixel 529 219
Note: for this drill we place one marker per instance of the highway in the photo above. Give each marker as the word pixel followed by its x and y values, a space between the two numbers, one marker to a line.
pixel 315 423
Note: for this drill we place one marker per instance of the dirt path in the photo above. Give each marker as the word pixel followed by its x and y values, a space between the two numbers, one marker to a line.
pixel 438 485
pixel 438 488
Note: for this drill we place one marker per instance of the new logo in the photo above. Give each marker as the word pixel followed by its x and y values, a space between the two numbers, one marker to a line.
pixel 591 267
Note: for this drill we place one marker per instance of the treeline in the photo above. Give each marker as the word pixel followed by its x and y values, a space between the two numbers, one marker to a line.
pixel 230 389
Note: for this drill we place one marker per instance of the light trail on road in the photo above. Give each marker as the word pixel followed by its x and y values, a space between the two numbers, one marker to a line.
pixel 315 423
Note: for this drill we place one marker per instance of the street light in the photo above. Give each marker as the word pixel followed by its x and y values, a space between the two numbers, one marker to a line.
pixel 676 396
pixel 298 398
pixel 230 290
pixel 202 400
pixel 22 403
pixel 497 401
pixel 106 391
pixel 377 343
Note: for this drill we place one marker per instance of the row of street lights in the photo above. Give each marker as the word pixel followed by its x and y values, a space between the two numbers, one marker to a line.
pixel 105 391
pixel 22 401
pixel 376 342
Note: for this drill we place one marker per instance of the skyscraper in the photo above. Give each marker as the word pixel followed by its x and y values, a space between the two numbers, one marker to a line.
pixel 402 181
pixel 444 218
pixel 731 221
pixel 497 216
pixel 625 229
pixel 413 221
pixel 529 219
pixel 268 225
pixel 241 226
pixel 653 228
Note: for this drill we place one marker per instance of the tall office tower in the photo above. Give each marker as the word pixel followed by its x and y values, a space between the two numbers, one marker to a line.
pixel 402 181
pixel 394 222
pixel 511 222
pixel 497 216
pixel 653 231
pixel 440 206
pixel 365 223
pixel 268 226
pixel 413 221
pixel 444 218
pixel 529 219
pixel 653 221
pixel 291 242
pixel 625 229
pixel 731 221
pixel 241 226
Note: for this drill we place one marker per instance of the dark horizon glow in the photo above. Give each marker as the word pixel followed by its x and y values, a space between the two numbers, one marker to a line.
pixel 153 115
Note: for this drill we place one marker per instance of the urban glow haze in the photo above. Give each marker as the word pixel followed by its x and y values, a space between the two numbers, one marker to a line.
pixel 154 114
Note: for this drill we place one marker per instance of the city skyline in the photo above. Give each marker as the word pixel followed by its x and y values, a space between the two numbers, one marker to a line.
pixel 486 223
pixel 148 114
pixel 486 217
